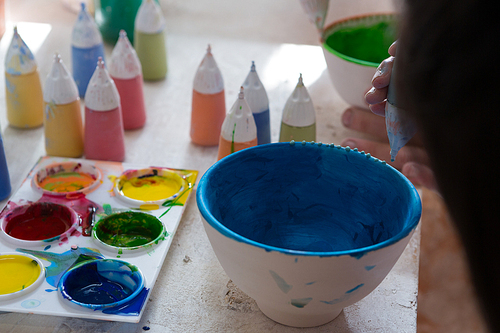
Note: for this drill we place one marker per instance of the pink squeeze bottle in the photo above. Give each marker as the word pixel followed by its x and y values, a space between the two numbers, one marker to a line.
pixel 125 70
pixel 104 135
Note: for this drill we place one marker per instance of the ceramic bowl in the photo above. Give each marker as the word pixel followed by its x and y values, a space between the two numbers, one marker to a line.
pixel 38 223
pixel 66 179
pixel 353 48
pixel 129 232
pixel 102 283
pixel 20 274
pixel 306 229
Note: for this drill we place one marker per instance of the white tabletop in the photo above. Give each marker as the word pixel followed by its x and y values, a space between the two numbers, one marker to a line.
pixel 192 292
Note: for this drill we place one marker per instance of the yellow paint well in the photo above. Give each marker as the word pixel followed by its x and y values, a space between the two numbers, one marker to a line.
pixel 17 273
pixel 149 188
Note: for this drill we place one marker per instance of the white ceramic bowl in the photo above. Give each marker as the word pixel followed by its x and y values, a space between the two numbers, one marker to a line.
pixel 351 65
pixel 306 229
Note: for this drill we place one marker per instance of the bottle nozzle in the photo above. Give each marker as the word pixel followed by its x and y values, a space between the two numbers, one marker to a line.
pixel 241 95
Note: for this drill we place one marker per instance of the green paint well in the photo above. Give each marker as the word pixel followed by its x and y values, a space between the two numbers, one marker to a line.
pixel 129 229
pixel 364 43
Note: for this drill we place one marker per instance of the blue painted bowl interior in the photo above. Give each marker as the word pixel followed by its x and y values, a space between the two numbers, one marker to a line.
pixel 310 199
pixel 101 283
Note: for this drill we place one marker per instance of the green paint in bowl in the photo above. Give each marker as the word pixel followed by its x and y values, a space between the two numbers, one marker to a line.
pixel 363 40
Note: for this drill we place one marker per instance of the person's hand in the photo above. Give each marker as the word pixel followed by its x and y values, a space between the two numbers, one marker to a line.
pixel 412 159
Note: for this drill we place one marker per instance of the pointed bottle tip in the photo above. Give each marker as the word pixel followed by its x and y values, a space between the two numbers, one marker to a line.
pixel 57 57
pixel 15 30
pixel 82 4
pixel 252 68
pixel 209 49
pixel 301 82
pixel 122 33
pixel 100 62
pixel 241 95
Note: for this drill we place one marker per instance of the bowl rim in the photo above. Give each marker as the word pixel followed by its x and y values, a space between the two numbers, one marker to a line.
pixel 414 215
pixel 345 57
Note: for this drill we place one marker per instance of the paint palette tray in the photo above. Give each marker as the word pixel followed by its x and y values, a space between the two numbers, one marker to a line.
pixel 108 236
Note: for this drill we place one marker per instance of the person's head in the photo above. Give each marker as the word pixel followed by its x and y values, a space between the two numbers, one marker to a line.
pixel 449 79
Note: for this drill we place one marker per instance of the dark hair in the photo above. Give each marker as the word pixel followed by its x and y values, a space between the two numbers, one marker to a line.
pixel 449 81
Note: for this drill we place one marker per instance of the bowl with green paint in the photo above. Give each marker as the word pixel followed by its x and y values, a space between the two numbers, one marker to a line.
pixel 353 48
pixel 129 232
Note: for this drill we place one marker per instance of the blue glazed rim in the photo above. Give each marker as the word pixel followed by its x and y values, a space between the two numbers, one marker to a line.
pixel 95 306
pixel 414 211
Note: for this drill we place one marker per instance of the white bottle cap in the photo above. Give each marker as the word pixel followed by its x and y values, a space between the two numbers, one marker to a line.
pixel 85 32
pixel 149 18
pixel 60 87
pixel 19 60
pixel 299 109
pixel 255 94
pixel 124 62
pixel 101 94
pixel 208 78
pixel 239 124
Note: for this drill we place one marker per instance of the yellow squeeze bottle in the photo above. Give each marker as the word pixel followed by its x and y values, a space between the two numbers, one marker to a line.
pixel 23 89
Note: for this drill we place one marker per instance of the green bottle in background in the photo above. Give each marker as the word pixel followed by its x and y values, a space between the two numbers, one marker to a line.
pixel 149 40
pixel 113 15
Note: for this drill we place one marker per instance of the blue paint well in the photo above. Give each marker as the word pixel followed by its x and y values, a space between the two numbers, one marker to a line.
pixel 102 283
pixel 131 308
pixel 84 62
pixel 263 127
pixel 308 200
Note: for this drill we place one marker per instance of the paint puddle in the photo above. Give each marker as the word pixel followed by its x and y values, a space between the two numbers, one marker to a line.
pixel 129 231
pixel 148 188
pixel 101 284
pixel 67 178
pixel 38 223
pixel 19 274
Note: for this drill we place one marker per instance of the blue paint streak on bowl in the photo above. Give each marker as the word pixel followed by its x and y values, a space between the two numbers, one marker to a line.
pixel 312 200
pixel 102 283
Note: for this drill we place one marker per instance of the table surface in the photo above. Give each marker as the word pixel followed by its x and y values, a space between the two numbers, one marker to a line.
pixel 192 292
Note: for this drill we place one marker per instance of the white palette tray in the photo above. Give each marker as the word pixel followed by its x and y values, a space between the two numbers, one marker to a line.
pixel 46 299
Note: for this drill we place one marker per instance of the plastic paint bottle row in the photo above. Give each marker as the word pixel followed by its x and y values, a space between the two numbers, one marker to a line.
pixel 118 93
pixel 247 123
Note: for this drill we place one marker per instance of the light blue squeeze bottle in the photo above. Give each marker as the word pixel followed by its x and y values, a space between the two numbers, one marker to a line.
pixel 399 130
pixel 86 48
